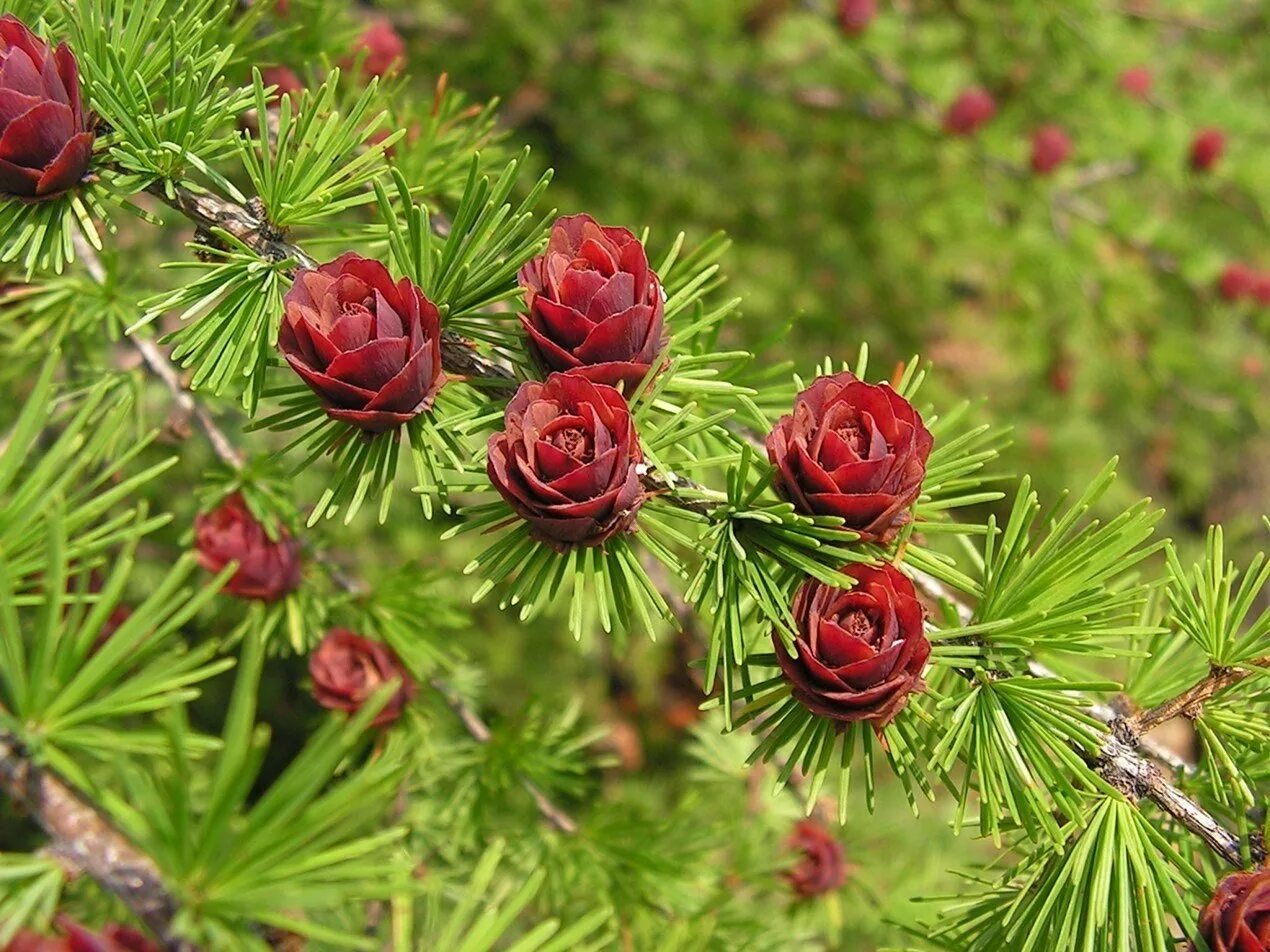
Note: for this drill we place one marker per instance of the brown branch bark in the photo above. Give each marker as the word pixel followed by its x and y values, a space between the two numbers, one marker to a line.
pixel 1191 701
pixel 668 486
pixel 247 223
pixel 83 834
pixel 1137 778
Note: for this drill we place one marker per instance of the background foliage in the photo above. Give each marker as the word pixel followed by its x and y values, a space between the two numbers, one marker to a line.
pixel 854 218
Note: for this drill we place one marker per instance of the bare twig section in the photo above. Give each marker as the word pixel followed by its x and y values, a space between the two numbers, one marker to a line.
pixel 461 359
pixel 480 733
pixel 158 363
pixel 335 572
pixel 1142 11
pixel 1191 701
pixel 86 839
pixel 1098 172
pixel 1139 779
pixel 246 223
pixel 668 486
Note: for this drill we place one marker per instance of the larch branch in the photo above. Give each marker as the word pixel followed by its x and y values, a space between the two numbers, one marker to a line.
pixel 1120 763
pixel 1191 701
pixel 159 364
pixel 84 835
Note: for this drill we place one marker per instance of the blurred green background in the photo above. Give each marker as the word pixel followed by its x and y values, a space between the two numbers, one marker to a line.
pixel 1081 306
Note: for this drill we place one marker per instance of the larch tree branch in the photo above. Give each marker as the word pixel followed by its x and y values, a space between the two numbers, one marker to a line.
pixel 85 836
pixel 79 830
pixel 1190 702
pixel 1120 763
pixel 161 367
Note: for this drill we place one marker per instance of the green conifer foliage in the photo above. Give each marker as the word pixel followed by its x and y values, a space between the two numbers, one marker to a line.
pixel 388 561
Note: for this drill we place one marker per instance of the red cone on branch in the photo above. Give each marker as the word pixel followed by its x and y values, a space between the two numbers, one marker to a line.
pixel 861 650
pixel 969 112
pixel 383 47
pixel 347 669
pixel 1260 289
pixel 1237 918
pixel 368 347
pixel 1236 281
pixel 594 307
pixel 854 16
pixel 821 866
pixel 45 141
pixel 568 461
pixel 1051 147
pixel 1136 81
pixel 1207 149
pixel 268 569
pixel 854 450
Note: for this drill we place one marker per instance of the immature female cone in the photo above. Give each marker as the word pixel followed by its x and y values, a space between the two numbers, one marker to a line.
pixel 821 866
pixel 1207 148
pixel 854 16
pixel 568 461
pixel 593 305
pixel 861 650
pixel 347 669
pixel 854 450
pixel 45 141
pixel 1237 918
pixel 286 82
pixel 383 47
pixel 268 569
pixel 1236 281
pixel 1260 289
pixel 1136 81
pixel 369 347
pixel 1051 147
pixel 969 112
